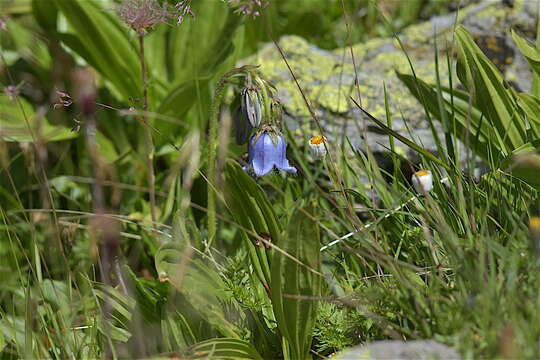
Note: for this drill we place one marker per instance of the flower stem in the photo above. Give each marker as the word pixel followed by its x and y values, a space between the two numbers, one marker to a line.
pixel 149 142
pixel 212 153
pixel 219 93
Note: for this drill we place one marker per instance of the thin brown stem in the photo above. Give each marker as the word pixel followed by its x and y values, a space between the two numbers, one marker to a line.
pixel 338 176
pixel 149 142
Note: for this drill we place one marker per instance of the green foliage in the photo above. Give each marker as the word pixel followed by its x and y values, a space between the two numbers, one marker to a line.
pixel 491 117
pixel 22 124
pixel 296 282
pixel 292 267
pixel 223 348
pixel 100 39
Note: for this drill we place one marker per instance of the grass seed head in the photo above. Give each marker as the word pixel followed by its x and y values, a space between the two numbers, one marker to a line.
pixel 142 15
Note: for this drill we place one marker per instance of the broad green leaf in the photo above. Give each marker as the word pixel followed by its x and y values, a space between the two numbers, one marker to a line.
pixel 56 294
pixel 46 14
pixel 177 332
pixel 151 296
pixel 177 104
pixel 179 99
pixel 122 309
pixel 234 171
pixel 27 45
pixel 105 44
pixel 529 52
pixel 118 301
pixel 13 329
pixel 171 262
pixel 2 341
pixel 251 209
pixel 490 94
pixel 156 50
pixel 193 58
pixel 19 123
pixel 296 285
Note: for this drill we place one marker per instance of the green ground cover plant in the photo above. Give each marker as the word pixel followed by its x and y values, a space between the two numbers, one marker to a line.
pixel 154 204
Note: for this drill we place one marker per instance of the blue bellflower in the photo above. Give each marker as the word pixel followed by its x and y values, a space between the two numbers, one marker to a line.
pixel 264 154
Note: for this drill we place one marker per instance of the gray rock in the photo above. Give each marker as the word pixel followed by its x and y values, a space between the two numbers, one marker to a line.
pixel 327 77
pixel 400 350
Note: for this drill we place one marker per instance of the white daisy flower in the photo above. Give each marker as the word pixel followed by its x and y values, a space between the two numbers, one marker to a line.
pixel 317 146
pixel 422 181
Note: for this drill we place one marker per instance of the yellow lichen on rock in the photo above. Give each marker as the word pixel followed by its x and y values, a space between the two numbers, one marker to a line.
pixel 317 72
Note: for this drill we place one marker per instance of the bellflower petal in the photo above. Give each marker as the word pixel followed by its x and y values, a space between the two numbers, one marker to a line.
pixel 283 162
pixel 264 155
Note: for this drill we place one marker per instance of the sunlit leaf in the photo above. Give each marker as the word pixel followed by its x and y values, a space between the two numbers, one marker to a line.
pixel 489 92
pixel 19 123
pixel 194 59
pixel 104 43
pixel 529 52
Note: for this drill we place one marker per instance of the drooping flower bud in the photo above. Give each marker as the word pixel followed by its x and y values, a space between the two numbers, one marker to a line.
pixel 251 106
pixel 242 127
pixel 422 181
pixel 317 146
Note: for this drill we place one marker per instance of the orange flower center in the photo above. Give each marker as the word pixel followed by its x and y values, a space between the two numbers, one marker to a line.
pixel 421 173
pixel 317 140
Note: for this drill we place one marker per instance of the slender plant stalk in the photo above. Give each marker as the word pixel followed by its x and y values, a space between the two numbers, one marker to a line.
pixel 219 93
pixel 103 230
pixel 356 222
pixel 212 154
pixel 149 142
